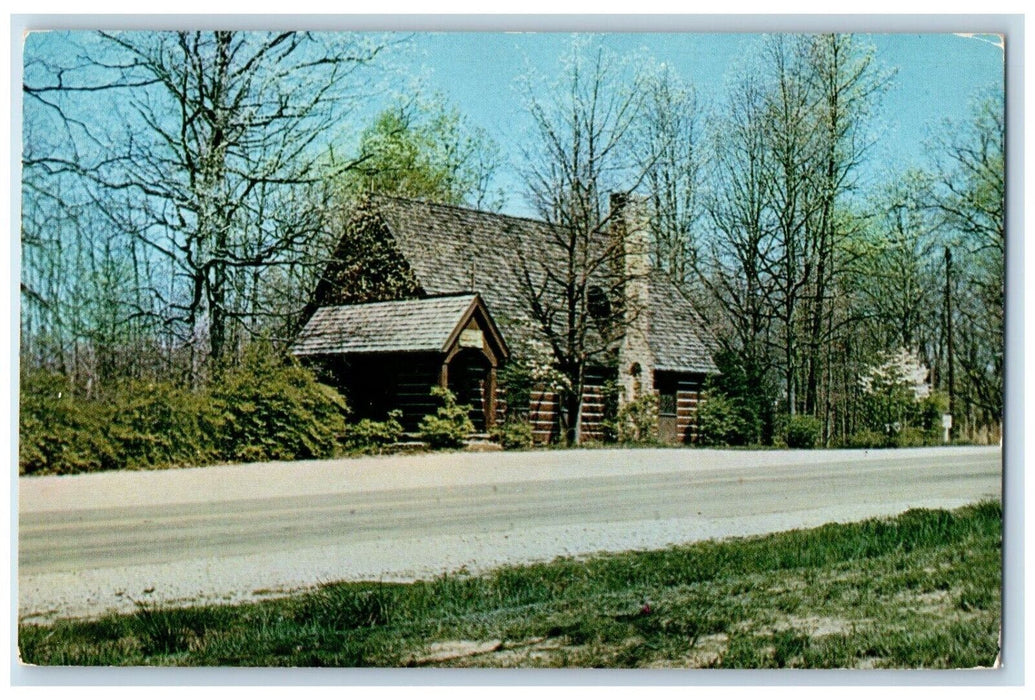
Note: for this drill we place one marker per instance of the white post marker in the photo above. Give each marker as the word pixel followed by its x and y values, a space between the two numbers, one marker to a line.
pixel 946 424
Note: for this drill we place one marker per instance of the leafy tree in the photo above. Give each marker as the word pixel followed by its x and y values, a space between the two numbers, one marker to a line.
pixel 417 150
pixel 426 151
pixel 893 392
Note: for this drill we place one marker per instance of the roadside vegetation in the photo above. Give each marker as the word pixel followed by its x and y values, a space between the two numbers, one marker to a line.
pixel 262 409
pixel 918 591
pixel 268 407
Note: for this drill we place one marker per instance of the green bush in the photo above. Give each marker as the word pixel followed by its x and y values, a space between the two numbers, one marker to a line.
pixel 60 433
pixel 912 437
pixel 866 439
pixel 928 414
pixel 720 421
pixel 906 437
pixel 802 432
pixel 514 435
pixel 265 408
pixel 163 424
pixel 450 425
pixel 273 408
pixel 753 395
pixel 371 436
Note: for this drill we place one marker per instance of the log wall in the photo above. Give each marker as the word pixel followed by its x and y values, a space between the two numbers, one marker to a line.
pixel 688 395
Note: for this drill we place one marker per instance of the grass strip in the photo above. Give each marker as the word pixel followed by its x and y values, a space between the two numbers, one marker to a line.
pixel 921 590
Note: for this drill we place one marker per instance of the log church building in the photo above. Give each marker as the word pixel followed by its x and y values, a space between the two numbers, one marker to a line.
pixel 419 294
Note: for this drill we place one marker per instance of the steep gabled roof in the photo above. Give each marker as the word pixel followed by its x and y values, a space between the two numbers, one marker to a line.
pixel 412 325
pixel 451 248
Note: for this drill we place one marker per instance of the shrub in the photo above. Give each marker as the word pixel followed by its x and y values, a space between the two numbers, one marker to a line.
pixel 450 425
pixel 866 439
pixel 514 435
pixel 60 433
pixel 928 413
pixel 802 432
pixel 912 437
pixel 163 424
pixel 371 436
pixel 720 422
pixel 753 394
pixel 637 421
pixel 266 408
pixel 906 437
pixel 273 408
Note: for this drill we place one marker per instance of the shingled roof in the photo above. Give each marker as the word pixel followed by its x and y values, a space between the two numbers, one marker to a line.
pixel 412 325
pixel 452 248
pixel 677 336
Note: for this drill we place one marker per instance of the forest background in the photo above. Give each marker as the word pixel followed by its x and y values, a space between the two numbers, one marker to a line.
pixel 843 235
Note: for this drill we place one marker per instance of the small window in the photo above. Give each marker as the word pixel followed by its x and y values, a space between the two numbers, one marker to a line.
pixel 667 403
pixel 597 303
pixel 666 388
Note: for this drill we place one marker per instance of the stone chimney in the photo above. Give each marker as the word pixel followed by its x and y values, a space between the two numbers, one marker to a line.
pixel 630 230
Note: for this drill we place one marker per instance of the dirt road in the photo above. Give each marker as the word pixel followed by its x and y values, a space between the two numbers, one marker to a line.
pixel 95 542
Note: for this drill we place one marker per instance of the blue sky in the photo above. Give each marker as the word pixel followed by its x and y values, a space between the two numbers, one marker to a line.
pixel 936 77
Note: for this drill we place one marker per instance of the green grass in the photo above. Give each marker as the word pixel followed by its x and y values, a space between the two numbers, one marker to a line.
pixel 918 591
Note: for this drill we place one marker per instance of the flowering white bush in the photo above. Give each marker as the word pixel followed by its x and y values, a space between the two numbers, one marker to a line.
pixel 901 369
pixel 541 368
pixel 896 394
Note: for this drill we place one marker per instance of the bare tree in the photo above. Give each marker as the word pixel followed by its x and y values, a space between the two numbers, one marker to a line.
pixel 787 145
pixel 669 149
pixel 896 277
pixel 742 235
pixel 793 147
pixel 970 199
pixel 847 84
pixel 574 288
pixel 214 139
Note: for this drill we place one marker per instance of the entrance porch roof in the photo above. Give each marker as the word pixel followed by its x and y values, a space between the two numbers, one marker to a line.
pixel 432 324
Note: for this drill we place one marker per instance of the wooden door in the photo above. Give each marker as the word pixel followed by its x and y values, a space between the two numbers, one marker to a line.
pixel 468 375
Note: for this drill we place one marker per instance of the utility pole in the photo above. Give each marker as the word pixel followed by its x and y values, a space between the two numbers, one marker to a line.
pixel 948 335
